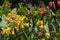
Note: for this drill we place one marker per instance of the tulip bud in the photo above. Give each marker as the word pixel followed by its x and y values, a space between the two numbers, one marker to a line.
pixel 51 4
pixel 58 2
pixel 43 12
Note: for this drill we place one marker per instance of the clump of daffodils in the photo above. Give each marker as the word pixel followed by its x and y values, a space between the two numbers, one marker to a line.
pixel 17 19
pixel 41 25
pixel 6 30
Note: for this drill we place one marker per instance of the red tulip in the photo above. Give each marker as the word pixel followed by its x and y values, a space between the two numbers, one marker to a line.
pixel 58 2
pixel 51 4
pixel 43 12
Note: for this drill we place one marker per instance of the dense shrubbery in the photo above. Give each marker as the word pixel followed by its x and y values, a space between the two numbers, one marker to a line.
pixel 23 20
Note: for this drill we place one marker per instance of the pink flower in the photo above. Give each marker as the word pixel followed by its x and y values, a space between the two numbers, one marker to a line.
pixel 38 8
pixel 52 4
pixel 43 12
pixel 8 5
pixel 58 2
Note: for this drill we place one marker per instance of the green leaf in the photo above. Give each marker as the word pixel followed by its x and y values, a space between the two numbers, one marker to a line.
pixel 58 22
pixel 53 27
pixel 31 36
pixel 57 13
pixel 22 37
pixel 47 28
pixel 3 23
pixel 23 10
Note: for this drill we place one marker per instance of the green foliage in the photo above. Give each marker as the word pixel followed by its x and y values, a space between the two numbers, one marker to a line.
pixel 50 20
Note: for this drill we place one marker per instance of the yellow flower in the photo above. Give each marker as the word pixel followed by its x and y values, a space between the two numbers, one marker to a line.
pixel 17 19
pixel 13 15
pixel 39 22
pixel 9 15
pixel 42 27
pixel 21 26
pixel 13 31
pixel 17 28
pixel 6 31
pixel 27 24
pixel 17 16
pixel 43 38
pixel 17 24
pixel 8 19
pixel 47 35
pixel 21 18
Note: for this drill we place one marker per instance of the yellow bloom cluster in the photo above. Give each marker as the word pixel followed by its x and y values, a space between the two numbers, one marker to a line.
pixel 6 31
pixel 19 20
pixel 41 25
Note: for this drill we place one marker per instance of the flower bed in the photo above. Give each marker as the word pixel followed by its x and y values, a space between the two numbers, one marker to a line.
pixel 30 22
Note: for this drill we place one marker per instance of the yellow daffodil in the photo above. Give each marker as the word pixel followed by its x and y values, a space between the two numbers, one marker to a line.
pixel 13 31
pixel 8 19
pixel 42 27
pixel 6 31
pixel 9 15
pixel 47 35
pixel 27 24
pixel 39 22
pixel 43 38
pixel 13 15
pixel 19 20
